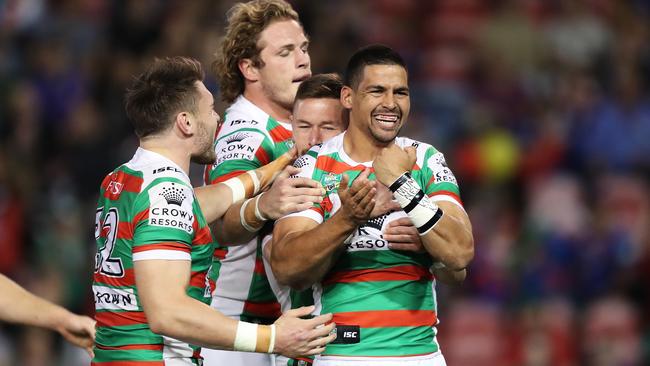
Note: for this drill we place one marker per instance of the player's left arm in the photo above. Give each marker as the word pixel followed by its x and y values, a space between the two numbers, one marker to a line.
pixel 444 227
pixel 19 306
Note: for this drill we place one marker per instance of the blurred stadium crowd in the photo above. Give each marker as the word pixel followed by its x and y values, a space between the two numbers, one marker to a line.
pixel 541 106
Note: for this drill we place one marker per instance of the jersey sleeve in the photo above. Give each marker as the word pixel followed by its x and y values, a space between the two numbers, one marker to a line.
pixel 307 165
pixel 239 147
pixel 441 184
pixel 164 226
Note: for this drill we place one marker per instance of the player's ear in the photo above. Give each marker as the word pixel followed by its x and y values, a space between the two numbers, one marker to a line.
pixel 346 97
pixel 248 69
pixel 185 123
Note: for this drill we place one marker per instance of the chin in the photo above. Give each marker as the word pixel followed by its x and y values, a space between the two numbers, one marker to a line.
pixel 209 157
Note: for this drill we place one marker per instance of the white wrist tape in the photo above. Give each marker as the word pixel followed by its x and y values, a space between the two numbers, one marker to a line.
pixel 258 213
pixel 237 188
pixel 246 337
pixel 242 217
pixel 418 206
pixel 256 181
pixel 272 342
pixel 254 338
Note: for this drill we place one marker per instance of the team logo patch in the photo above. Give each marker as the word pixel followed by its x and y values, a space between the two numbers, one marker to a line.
pixel 171 206
pixel 331 182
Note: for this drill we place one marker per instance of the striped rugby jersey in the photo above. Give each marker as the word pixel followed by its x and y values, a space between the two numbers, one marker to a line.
pixel 146 210
pixel 389 295
pixel 248 139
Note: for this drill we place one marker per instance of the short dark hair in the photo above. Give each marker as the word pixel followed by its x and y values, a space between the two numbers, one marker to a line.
pixel 376 54
pixel 320 86
pixel 166 88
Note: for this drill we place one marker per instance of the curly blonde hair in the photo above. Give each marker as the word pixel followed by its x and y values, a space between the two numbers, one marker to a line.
pixel 246 21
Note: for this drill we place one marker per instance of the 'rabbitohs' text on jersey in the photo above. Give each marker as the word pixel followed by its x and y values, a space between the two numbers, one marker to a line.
pixel 248 139
pixel 146 211
pixel 383 299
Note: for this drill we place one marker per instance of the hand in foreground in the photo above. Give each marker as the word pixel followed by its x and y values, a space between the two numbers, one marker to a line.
pixel 267 173
pixel 392 162
pixel 79 330
pixel 358 200
pixel 402 235
pixel 297 337
pixel 384 201
pixel 288 195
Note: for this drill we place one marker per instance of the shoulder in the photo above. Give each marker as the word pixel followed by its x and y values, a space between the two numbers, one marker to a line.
pixel 153 169
pixel 243 114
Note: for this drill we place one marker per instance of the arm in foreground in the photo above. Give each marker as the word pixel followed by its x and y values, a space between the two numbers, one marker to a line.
pixel 450 241
pixel 171 312
pixel 17 305
pixel 303 251
pixel 402 235
pixel 287 195
pixel 216 199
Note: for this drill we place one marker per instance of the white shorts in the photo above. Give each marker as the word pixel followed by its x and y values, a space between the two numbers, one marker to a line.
pixel 432 359
pixel 213 357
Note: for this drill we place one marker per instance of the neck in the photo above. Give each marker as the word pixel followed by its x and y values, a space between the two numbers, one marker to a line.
pixel 166 148
pixel 276 111
pixel 360 145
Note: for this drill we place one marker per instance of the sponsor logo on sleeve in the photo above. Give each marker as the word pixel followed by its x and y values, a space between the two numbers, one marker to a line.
pixel 441 172
pixel 108 298
pixel 171 206
pixel 238 146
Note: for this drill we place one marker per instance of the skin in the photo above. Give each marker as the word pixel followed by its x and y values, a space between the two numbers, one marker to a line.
pixel 169 310
pixel 303 251
pixel 315 120
pixel 19 306
pixel 284 53
pixel 272 87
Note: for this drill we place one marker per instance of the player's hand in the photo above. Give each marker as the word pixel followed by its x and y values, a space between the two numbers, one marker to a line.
pixel 288 195
pixel 402 235
pixel 384 201
pixel 392 162
pixel 79 330
pixel 295 337
pixel 358 200
pixel 267 173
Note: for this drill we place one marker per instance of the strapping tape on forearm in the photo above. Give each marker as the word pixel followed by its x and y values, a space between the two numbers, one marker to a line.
pixel 244 185
pixel 254 338
pixel 258 213
pixel 418 206
pixel 242 217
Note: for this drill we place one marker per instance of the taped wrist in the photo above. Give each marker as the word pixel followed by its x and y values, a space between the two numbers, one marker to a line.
pixel 249 217
pixel 424 213
pixel 254 338
pixel 243 185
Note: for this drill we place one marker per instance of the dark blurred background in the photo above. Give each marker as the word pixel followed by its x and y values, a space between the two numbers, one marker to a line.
pixel 542 108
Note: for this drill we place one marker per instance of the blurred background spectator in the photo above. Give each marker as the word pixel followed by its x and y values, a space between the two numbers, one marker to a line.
pixel 541 106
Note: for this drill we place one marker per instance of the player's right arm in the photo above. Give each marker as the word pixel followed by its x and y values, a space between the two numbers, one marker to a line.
pixel 287 195
pixel 304 250
pixel 17 305
pixel 170 311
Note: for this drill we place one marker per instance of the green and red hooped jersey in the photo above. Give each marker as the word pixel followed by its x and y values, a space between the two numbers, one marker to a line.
pixel 146 211
pixel 390 295
pixel 248 139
